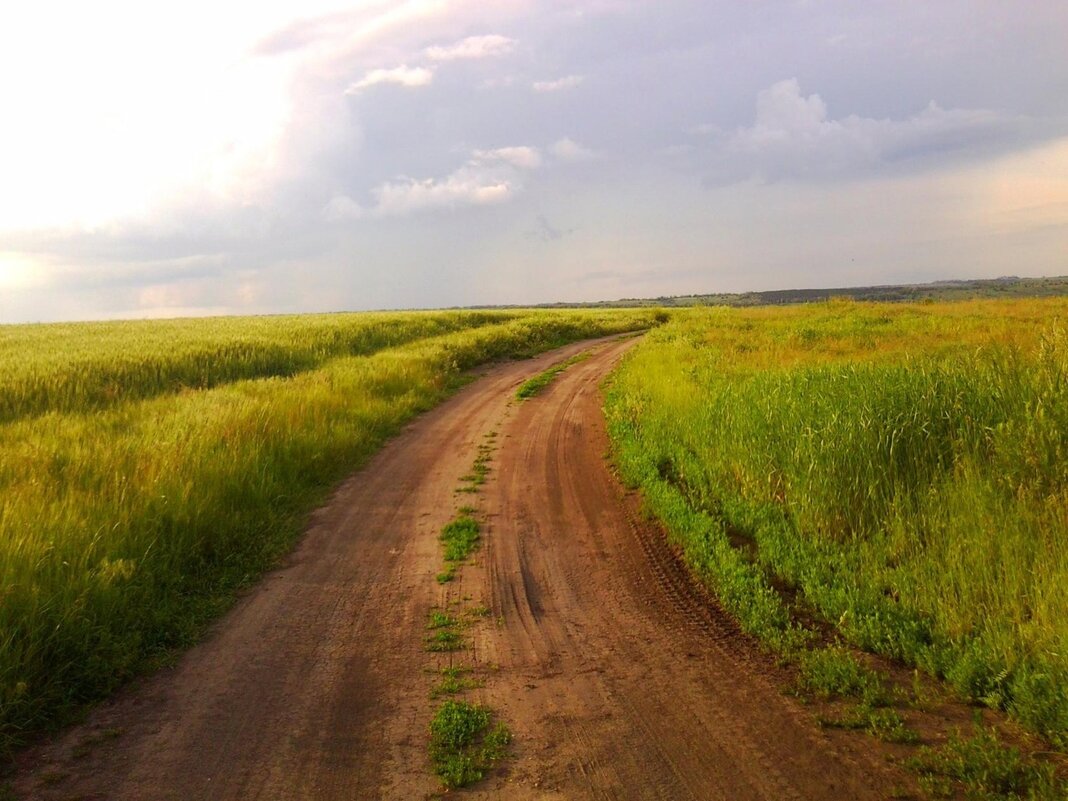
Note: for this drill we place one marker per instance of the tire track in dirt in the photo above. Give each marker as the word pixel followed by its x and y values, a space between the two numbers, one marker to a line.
pixel 619 678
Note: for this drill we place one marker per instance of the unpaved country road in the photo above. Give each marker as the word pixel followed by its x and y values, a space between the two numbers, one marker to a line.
pixel 618 678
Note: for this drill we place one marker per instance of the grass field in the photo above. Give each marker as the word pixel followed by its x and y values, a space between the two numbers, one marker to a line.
pixel 898 471
pixel 147 470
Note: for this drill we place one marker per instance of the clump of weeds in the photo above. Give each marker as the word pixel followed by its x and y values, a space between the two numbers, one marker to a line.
pixel 465 742
pixel 445 640
pixel 460 538
pixel 986 770
pixel 886 724
pixel 831 673
pixel 440 620
pixel 479 470
pixel 454 680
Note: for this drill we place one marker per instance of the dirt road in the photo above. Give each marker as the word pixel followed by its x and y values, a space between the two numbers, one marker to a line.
pixel 617 677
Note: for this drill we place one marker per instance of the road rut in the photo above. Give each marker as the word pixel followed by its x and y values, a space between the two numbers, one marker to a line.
pixel 619 678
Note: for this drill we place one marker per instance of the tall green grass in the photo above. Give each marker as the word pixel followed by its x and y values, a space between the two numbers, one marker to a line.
pixel 905 469
pixel 81 367
pixel 124 528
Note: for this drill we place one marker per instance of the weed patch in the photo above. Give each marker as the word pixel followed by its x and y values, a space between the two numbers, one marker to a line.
pixel 445 640
pixel 460 538
pixel 454 680
pixel 987 770
pixel 531 387
pixel 440 620
pixel 884 723
pixel 465 743
pixel 834 672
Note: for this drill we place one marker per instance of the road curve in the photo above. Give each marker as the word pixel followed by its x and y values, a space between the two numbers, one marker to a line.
pixel 618 677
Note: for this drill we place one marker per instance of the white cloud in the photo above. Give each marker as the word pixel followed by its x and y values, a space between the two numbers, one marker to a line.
pixel 568 149
pixel 472 47
pixel 527 158
pixel 489 176
pixel 401 76
pixel 465 187
pixel 559 85
pixel 793 137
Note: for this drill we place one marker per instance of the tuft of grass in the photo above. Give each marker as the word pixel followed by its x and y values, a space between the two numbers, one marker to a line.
pixel 465 743
pixel 986 769
pixel 834 672
pixel 440 620
pixel 479 470
pixel 460 537
pixel 454 680
pixel 531 387
pixel 886 724
pixel 445 640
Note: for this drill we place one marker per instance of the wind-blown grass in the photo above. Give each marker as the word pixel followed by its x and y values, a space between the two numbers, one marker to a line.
pixel 79 367
pixel 124 528
pixel 905 468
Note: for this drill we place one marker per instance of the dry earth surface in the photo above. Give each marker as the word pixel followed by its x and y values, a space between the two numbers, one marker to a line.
pixel 619 678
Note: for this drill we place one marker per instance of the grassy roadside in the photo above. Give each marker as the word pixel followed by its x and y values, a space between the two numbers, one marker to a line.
pixel 125 529
pixel 894 475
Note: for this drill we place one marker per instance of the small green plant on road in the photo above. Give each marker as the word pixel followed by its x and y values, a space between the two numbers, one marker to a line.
pixel 465 742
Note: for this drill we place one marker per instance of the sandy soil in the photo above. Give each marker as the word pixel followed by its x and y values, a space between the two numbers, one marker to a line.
pixel 619 678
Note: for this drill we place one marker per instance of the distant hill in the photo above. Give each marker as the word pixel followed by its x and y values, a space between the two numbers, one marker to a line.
pixel 1006 287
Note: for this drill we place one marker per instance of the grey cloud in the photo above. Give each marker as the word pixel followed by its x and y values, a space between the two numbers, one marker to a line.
pixel 794 138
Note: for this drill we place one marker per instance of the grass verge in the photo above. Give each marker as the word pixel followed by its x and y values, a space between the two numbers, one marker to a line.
pixel 891 477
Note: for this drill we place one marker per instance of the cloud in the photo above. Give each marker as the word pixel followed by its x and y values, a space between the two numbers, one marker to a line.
pixel 559 85
pixel 465 187
pixel 527 158
pixel 402 76
pixel 793 137
pixel 472 47
pixel 568 149
pixel 488 177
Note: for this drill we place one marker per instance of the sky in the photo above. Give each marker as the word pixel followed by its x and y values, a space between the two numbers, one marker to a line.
pixel 166 159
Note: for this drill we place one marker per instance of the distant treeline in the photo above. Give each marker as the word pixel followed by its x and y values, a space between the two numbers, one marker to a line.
pixel 1005 287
